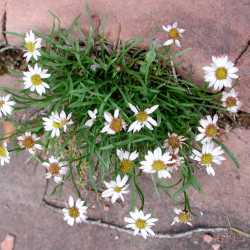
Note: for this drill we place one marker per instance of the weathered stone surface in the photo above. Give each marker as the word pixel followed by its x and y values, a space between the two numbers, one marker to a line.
pixel 21 183
pixel 26 14
pixel 10 81
pixel 37 227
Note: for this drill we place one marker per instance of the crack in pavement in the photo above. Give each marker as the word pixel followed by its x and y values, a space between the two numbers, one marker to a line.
pixel 158 235
pixel 243 51
pixel 4 24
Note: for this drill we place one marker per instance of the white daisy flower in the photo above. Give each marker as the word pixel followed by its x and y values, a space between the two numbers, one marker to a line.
pixel 231 101
pixel 156 162
pixel 76 211
pixel 220 73
pixel 92 114
pixel 55 169
pixel 142 118
pixel 57 121
pixel 33 79
pixel 127 159
pixel 28 141
pixel 113 124
pixel 209 154
pixel 4 154
pixel 140 223
pixel 6 105
pixel 116 189
pixel 32 46
pixel 174 34
pixel 182 217
pixel 174 142
pixel 208 129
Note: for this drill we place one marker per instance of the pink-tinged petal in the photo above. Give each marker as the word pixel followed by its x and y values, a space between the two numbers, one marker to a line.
pixel 124 180
pixel 175 24
pixel 210 171
pixel 129 220
pixel 132 126
pixel 181 30
pixel 133 108
pixel 152 109
pixel 199 137
pixel 114 198
pixel 79 203
pixel 168 42
pixel 152 121
pixel 148 125
pixel 108 117
pixel 133 156
pixel 144 234
pixel 177 43
pixel 89 123
pixel 118 179
pixel 166 28
pixel 71 221
pixel 57 179
pixel 71 201
pixel 116 113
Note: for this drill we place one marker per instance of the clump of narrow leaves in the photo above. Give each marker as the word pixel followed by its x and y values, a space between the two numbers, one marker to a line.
pixel 105 111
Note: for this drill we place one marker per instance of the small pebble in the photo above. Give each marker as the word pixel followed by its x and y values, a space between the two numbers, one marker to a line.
pixel 207 238
pixel 8 242
pixel 106 208
pixel 216 246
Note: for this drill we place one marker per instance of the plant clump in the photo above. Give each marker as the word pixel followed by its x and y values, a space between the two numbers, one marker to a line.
pixel 107 114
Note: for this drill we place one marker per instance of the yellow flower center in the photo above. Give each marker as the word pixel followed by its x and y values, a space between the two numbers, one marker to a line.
pixel 174 141
pixel 3 151
pixel 28 142
pixel 221 73
pixel 36 79
pixel 141 116
pixel 116 124
pixel 231 101
pixel 184 217
pixel 173 33
pixel 117 189
pixel 30 46
pixel 54 168
pixel 141 224
pixel 74 212
pixel 126 166
pixel 211 130
pixel 206 159
pixel 158 165
pixel 2 103
pixel 57 124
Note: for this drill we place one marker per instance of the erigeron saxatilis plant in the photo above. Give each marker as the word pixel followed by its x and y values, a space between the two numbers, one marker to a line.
pixel 115 113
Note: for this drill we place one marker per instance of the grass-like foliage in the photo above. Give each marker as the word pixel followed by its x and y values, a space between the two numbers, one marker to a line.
pixel 88 72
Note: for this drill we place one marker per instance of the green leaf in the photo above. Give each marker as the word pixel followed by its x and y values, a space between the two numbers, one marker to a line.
pixel 150 56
